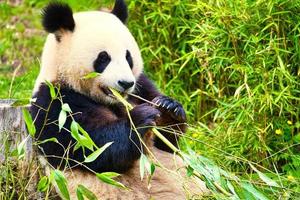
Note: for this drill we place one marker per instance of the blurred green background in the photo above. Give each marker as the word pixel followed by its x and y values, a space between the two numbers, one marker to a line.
pixel 234 65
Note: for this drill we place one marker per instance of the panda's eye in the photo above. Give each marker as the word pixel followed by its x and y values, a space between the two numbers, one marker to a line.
pixel 102 61
pixel 129 59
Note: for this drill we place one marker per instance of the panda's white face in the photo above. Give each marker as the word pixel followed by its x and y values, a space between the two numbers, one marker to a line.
pixel 101 43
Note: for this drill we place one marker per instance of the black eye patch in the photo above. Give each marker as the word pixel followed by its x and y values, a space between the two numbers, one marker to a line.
pixel 102 61
pixel 129 59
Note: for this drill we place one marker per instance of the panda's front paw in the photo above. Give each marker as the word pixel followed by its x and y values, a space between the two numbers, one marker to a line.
pixel 171 106
pixel 144 115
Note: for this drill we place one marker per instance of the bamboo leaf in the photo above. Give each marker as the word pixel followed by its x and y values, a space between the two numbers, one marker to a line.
pixel 21 102
pixel 106 179
pixel 87 139
pixel 52 89
pixel 61 183
pixel 111 174
pixel 20 150
pixel 93 156
pixel 62 118
pixel 152 169
pixel 28 121
pixel 66 107
pixel 91 75
pixel 82 191
pixel 254 192
pixel 264 178
pixel 74 130
pixel 53 139
pixel 142 166
pixel 43 184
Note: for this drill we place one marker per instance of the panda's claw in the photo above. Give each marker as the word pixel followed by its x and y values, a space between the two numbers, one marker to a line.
pixel 156 102
pixel 170 106
pixel 175 109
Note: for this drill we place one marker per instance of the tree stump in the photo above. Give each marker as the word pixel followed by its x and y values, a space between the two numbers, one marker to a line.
pixel 12 133
pixel 13 129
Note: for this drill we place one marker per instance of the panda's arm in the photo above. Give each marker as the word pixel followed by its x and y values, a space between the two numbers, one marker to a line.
pixel 119 157
pixel 173 114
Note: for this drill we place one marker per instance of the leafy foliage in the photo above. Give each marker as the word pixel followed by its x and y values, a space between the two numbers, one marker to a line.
pixel 235 67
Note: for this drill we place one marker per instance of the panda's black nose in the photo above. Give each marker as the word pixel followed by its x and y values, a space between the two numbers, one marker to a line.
pixel 125 84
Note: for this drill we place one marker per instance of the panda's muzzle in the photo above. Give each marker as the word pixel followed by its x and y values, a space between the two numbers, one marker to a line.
pixel 126 84
pixel 123 86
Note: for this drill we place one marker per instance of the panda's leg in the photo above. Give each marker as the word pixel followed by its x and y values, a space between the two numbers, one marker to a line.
pixel 174 183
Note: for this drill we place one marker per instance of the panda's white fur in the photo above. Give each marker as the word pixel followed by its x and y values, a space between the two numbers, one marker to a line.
pixel 95 31
pixel 72 58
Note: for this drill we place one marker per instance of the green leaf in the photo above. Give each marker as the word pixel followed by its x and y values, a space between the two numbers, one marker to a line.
pixel 231 188
pixel 62 118
pixel 86 142
pixel 86 139
pixel 76 147
pixel 21 102
pixel 29 123
pixel 66 107
pixel 20 150
pixel 52 89
pixel 61 183
pixel 82 140
pixel 254 192
pixel 146 164
pixel 83 191
pixel 79 194
pixel 142 166
pixel 53 139
pixel 296 138
pixel 264 178
pixel 91 75
pixel 74 130
pixel 93 156
pixel 189 171
pixel 43 184
pixel 111 174
pixel 152 169
pixel 106 179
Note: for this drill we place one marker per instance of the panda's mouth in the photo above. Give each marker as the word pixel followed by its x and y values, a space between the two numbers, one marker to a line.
pixel 109 93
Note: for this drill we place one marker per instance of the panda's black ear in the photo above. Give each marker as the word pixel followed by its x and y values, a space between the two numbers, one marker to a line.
pixel 57 16
pixel 120 10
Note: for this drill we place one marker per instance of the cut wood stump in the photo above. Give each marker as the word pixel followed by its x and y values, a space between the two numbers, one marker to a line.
pixel 12 133
pixel 13 129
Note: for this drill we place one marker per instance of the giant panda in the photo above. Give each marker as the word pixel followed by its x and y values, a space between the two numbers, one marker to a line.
pixel 99 41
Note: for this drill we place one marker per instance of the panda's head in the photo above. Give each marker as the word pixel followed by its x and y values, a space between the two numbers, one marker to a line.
pixel 86 42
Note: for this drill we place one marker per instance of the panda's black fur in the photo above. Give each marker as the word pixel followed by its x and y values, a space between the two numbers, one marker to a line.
pixel 120 10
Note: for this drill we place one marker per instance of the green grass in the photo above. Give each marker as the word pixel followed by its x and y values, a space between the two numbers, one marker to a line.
pixel 234 65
